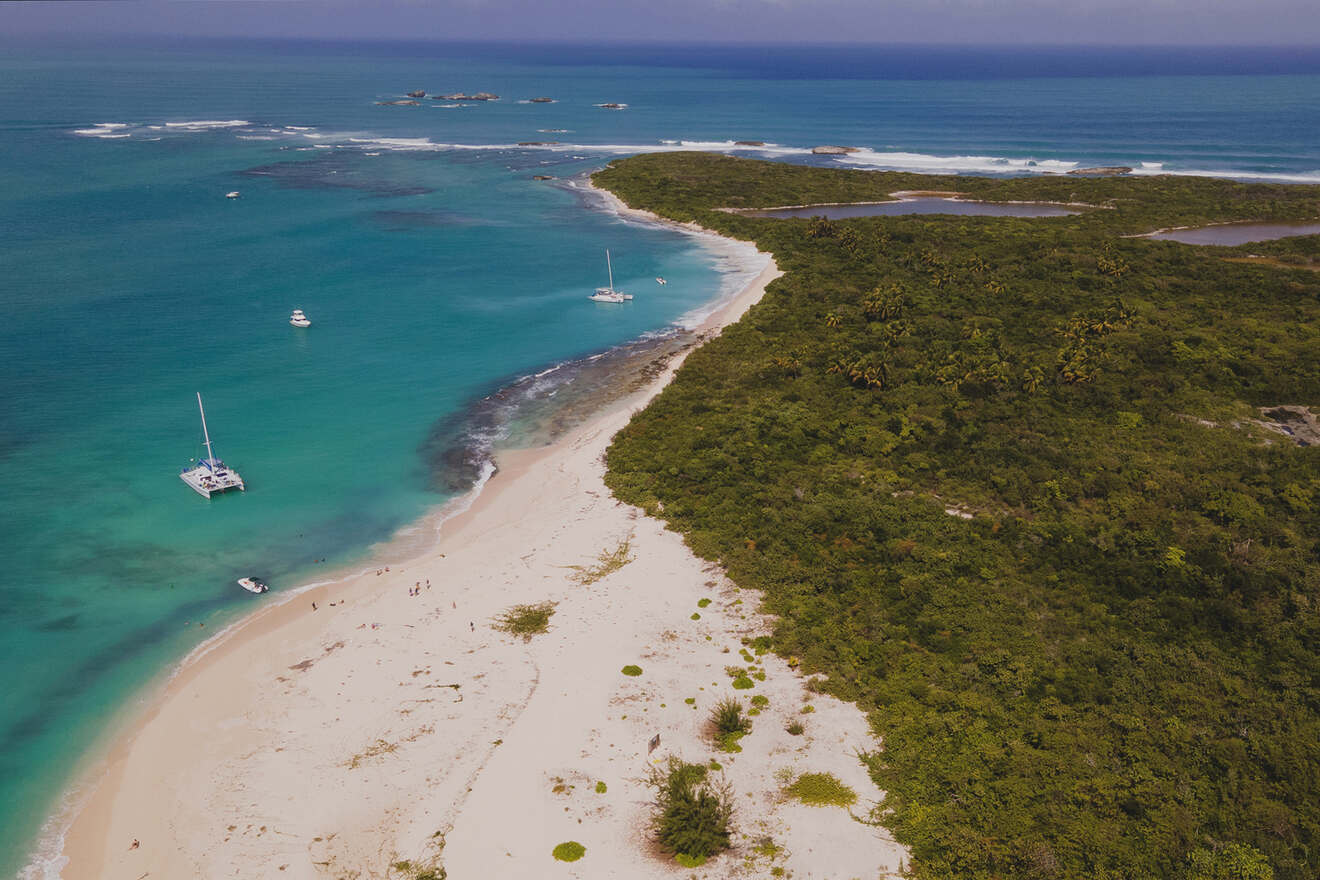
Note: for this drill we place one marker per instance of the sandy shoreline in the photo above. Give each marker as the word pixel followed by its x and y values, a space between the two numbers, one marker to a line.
pixel 386 726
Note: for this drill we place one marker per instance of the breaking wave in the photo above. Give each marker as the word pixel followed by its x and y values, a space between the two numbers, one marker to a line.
pixel 298 137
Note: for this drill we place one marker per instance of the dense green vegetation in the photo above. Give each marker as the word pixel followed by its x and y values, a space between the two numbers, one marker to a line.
pixel 693 812
pixel 999 479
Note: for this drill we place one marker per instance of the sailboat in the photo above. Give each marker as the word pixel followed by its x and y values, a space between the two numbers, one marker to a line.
pixel 609 294
pixel 210 475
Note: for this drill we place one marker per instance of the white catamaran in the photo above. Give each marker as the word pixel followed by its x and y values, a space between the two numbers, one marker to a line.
pixel 609 294
pixel 210 475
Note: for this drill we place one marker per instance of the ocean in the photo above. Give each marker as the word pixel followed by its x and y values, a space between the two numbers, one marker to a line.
pixel 447 289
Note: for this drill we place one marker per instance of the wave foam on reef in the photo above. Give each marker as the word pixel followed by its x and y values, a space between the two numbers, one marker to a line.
pixel 1150 169
pixel 925 164
pixel 859 157
pixel 207 124
pixel 104 130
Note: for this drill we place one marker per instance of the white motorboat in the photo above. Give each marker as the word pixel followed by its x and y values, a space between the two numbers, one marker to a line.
pixel 609 294
pixel 232 195
pixel 210 475
pixel 298 319
pixel 253 584
pixel 659 280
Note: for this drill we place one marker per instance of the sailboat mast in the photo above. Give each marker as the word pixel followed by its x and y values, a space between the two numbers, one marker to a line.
pixel 610 268
pixel 210 456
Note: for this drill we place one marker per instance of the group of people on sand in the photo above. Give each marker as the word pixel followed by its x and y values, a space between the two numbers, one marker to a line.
pixel 416 589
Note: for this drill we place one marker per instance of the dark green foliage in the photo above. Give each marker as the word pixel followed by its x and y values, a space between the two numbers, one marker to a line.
pixel 727 719
pixel 692 812
pixel 1106 662
pixel 1235 862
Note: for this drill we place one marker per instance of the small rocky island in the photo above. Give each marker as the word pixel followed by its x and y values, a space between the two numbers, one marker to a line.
pixel 460 96
pixel 611 106
pixel 834 151
pixel 749 143
pixel 417 94
pixel 542 101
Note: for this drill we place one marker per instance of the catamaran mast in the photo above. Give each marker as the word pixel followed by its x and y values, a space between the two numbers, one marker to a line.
pixel 210 456
pixel 610 268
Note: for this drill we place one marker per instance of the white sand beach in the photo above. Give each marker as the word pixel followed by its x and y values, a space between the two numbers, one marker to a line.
pixel 385 726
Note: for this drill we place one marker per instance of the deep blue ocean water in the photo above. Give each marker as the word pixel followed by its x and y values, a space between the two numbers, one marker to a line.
pixel 436 271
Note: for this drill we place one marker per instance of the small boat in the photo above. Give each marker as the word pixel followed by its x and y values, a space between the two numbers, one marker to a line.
pixel 298 319
pixel 232 195
pixel 659 280
pixel 253 584
pixel 609 294
pixel 210 475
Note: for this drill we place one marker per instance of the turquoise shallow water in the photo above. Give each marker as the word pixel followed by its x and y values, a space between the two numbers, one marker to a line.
pixel 436 271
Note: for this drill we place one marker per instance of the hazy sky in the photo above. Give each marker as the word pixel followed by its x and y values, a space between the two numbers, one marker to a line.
pixel 1196 22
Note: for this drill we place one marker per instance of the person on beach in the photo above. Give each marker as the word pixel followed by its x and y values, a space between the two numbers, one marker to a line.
pixel 313 606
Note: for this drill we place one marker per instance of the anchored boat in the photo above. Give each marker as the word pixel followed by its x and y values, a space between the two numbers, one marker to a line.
pixel 210 475
pixel 609 294
pixel 253 584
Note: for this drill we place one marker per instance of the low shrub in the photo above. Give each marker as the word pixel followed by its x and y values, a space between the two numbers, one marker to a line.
pixel 526 620
pixel 693 813
pixel 728 717
pixel 821 790
pixel 569 851
pixel 630 669
pixel 730 724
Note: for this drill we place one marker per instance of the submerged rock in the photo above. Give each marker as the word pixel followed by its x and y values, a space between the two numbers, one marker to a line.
pixel 834 151
pixel 611 106
pixel 749 143
pixel 538 143
pixel 543 177
pixel 398 104
pixel 543 100
pixel 460 96
pixel 417 94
